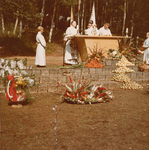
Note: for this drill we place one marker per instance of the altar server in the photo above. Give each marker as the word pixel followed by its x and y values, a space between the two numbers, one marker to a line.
pixel 105 31
pixel 40 51
pixel 146 49
pixel 70 53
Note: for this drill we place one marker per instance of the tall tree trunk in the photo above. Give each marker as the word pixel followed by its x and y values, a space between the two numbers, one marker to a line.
pixel 3 26
pixel 52 22
pixel 16 24
pixel 124 19
pixel 96 12
pixel 82 21
pixel 72 16
pixel 79 5
pixel 132 24
pixel 111 11
pixel 20 33
pixel 84 15
pixel 42 12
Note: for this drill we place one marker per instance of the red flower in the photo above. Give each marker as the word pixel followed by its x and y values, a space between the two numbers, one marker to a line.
pixel 141 48
pixel 101 88
pixel 70 79
pixel 103 94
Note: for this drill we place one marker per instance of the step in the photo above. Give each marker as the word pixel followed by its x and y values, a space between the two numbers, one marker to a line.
pixel 109 84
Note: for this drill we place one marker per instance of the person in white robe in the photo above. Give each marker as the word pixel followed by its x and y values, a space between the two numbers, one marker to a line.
pixel 91 29
pixel 40 51
pixel 105 31
pixel 71 56
pixel 146 50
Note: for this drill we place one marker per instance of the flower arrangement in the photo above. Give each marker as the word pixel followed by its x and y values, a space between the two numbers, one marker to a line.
pixel 95 58
pixel 141 49
pixel 16 79
pixel 127 49
pixel 144 67
pixel 83 92
pixel 112 53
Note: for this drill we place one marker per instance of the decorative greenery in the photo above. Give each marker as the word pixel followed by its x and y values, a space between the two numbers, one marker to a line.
pixel 84 92
pixel 128 49
pixel 95 58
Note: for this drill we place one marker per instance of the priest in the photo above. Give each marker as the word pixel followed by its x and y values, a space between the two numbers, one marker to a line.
pixel 105 31
pixel 71 56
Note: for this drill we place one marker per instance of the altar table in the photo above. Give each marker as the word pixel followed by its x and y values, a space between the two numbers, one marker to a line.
pixel 84 42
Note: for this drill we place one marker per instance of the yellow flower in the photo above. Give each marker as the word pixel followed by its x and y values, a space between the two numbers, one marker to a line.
pixel 20 78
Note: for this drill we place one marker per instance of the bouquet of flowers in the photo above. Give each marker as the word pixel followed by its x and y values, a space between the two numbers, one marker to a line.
pixel 95 58
pixel 83 92
pixel 15 79
pixel 127 49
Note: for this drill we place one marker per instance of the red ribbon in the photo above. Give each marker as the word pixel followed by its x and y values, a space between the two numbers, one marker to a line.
pixel 11 91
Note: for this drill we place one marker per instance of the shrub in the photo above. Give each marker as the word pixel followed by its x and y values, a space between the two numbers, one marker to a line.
pixel 17 46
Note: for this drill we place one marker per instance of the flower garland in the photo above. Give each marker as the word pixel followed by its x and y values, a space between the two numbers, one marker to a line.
pixel 83 92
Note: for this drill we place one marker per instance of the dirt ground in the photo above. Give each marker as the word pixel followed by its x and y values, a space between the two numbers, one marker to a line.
pixel 53 59
pixel 121 124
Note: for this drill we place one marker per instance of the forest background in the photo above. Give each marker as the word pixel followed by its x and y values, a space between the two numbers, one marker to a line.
pixel 20 19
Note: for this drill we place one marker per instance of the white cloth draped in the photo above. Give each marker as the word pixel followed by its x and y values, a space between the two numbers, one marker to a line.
pixel 40 51
pixel 70 56
pixel 146 52
pixel 104 32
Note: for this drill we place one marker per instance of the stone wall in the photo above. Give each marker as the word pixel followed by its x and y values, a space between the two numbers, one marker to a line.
pixel 47 78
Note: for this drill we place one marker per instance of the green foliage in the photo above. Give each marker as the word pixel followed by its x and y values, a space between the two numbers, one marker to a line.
pixel 69 2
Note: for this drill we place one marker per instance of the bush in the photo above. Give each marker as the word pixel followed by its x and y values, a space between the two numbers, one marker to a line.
pixel 17 46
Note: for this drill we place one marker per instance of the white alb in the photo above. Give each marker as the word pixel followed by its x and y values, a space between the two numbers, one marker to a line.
pixel 40 51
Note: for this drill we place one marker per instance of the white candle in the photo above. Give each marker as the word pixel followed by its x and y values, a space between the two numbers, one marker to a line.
pixel 126 30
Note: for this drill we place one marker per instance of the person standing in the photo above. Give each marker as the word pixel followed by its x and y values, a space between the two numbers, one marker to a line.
pixel 105 31
pixel 70 53
pixel 40 51
pixel 146 50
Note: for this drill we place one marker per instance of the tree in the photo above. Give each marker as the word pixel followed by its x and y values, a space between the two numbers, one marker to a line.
pixel 124 19
pixel 52 23
pixel 132 24
pixel 42 12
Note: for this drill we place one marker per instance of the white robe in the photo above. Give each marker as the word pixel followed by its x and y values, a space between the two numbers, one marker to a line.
pixel 91 31
pixel 146 51
pixel 69 59
pixel 40 51
pixel 104 32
